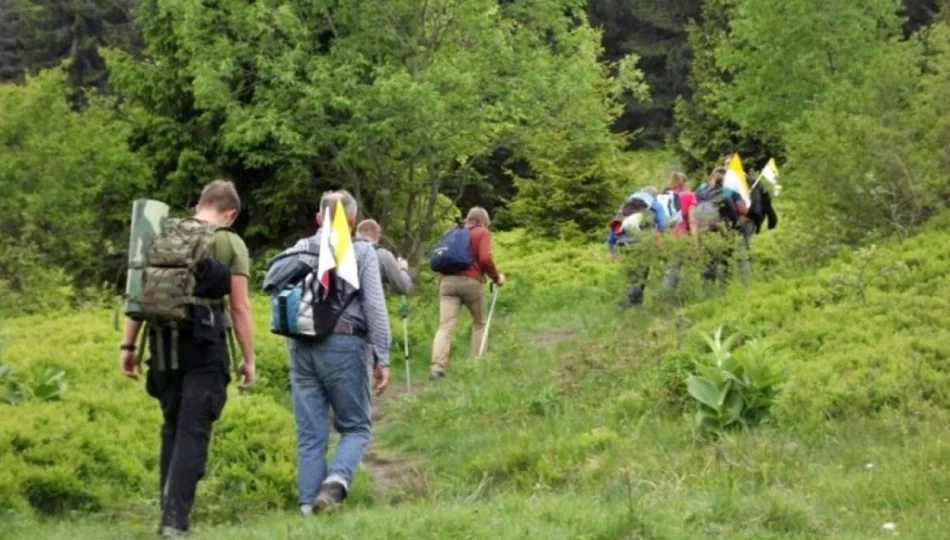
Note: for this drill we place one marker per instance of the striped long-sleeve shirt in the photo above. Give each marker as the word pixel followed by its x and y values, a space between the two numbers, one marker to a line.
pixel 368 311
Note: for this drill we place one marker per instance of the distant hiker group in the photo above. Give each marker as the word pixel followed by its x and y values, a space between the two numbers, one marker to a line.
pixel 724 205
pixel 187 296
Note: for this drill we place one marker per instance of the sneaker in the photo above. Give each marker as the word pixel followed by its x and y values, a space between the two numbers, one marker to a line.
pixel 306 509
pixel 169 532
pixel 435 375
pixel 330 497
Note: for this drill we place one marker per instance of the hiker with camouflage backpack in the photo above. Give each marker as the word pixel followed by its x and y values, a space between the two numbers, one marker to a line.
pixel 190 269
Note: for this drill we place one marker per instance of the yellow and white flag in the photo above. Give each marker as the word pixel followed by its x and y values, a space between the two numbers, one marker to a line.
pixel 770 171
pixel 736 179
pixel 343 251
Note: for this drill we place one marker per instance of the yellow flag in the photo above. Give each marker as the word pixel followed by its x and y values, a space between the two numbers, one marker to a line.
pixel 736 179
pixel 343 248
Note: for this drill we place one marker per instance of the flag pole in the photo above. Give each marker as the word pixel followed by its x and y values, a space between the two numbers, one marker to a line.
pixel 404 313
pixel 755 183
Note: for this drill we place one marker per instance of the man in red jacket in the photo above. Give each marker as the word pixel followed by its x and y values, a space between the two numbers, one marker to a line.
pixel 465 287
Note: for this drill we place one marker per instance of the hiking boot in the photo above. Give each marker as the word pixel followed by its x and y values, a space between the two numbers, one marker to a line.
pixel 169 532
pixel 330 497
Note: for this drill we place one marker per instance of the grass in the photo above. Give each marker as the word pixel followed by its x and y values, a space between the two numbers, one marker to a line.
pixel 576 424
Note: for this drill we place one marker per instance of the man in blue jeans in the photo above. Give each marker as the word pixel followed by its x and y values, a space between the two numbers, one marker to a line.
pixel 334 373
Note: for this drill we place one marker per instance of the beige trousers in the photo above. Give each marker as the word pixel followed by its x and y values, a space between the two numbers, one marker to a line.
pixel 454 292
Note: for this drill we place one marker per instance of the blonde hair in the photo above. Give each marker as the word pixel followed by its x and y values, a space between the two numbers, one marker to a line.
pixel 220 195
pixel 369 229
pixel 678 179
pixel 477 216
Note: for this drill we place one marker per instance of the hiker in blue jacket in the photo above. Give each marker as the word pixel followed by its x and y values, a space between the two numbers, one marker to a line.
pixel 633 218
pixel 640 213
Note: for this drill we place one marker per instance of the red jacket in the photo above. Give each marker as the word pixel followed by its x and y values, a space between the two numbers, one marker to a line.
pixel 484 264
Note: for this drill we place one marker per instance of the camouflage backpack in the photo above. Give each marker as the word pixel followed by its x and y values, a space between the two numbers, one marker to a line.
pixel 168 279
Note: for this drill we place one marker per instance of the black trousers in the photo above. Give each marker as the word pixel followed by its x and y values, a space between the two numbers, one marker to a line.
pixel 192 399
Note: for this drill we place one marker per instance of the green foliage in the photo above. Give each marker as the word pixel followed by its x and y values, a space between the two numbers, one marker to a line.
pixel 732 390
pixel 67 179
pixel 98 450
pixel 70 32
pixel 780 61
pixel 11 43
pixel 705 131
pixel 757 72
pixel 49 385
pixel 657 33
pixel 857 277
pixel 879 146
pixel 397 101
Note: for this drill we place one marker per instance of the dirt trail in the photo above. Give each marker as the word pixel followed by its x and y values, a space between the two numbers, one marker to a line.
pixel 395 477
pixel 551 338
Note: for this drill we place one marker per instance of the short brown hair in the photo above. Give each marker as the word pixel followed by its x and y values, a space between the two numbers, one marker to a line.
pixel 220 195
pixel 478 216
pixel 369 228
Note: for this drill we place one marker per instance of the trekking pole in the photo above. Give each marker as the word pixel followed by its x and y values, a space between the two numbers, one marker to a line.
pixel 404 313
pixel 491 311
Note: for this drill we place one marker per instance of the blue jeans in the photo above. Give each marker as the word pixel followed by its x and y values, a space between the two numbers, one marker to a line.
pixel 332 373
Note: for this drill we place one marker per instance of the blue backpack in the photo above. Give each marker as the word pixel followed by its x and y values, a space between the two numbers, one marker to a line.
pixel 453 252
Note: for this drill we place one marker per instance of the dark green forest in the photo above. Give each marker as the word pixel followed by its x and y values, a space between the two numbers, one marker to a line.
pixel 533 109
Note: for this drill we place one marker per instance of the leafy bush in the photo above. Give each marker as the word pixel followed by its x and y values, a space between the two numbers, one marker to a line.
pixel 732 390
pixel 67 179
pixel 871 159
pixel 50 385
pixel 98 450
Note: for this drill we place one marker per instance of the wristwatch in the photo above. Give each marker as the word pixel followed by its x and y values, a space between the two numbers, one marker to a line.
pixel 124 347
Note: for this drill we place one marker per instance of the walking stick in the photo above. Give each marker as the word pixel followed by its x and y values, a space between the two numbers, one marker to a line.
pixel 404 313
pixel 491 311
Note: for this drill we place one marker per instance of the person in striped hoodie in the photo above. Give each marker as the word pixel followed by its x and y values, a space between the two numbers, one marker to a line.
pixel 333 371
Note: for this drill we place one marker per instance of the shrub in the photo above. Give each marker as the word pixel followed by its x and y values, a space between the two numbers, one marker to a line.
pixel 49 385
pixel 67 179
pixel 732 391
pixel 872 156
pixel 98 450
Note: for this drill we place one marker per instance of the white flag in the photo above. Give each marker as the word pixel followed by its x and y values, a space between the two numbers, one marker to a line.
pixel 327 260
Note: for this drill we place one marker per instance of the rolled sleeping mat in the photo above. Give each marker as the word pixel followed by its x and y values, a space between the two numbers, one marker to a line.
pixel 148 217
